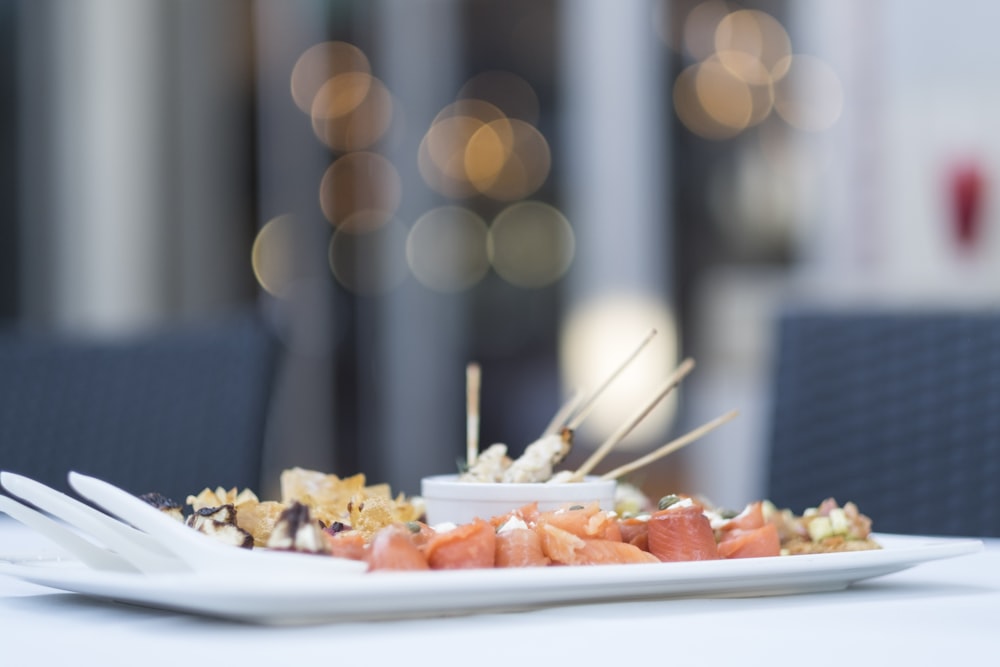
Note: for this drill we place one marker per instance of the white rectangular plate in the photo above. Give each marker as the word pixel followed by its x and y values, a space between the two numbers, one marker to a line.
pixel 294 599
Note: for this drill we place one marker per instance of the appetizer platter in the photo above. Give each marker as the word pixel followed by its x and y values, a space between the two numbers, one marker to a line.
pixel 293 598
pixel 502 533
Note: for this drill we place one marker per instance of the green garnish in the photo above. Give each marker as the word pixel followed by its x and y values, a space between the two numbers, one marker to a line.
pixel 667 501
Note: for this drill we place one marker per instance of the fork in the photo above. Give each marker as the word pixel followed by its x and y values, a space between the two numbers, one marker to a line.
pixel 126 544
pixel 93 556
pixel 145 538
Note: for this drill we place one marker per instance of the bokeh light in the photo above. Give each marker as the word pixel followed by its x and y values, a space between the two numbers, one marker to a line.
pixel 724 97
pixel 487 152
pixel 341 95
pixel 745 71
pixel 366 258
pixel 446 249
pixel 753 45
pixel 360 182
pixel 531 244
pixel 441 155
pixel 273 256
pixel 472 148
pixel 596 337
pixel 320 63
pixel 351 111
pixel 526 168
pixel 693 114
pixel 810 96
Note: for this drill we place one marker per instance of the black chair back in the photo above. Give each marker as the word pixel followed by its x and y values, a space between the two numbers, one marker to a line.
pixel 898 412
pixel 172 412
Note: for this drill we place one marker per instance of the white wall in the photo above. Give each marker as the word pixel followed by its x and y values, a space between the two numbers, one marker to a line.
pixel 921 97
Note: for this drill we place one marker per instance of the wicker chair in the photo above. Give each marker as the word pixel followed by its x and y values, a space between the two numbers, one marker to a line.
pixel 172 412
pixel 898 412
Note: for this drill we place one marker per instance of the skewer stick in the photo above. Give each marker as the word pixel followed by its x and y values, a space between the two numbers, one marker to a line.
pixel 563 415
pixel 578 418
pixel 670 447
pixel 675 378
pixel 473 377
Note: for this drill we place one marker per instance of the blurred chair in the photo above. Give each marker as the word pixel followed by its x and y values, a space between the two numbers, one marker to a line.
pixel 174 411
pixel 898 412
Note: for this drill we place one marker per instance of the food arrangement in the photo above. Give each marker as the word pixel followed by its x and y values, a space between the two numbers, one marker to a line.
pixel 366 523
pixel 323 514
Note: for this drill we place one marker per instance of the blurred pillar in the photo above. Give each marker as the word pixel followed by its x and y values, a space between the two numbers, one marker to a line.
pixel 95 206
pixel 290 166
pixel 617 188
pixel 212 156
pixel 412 337
pixel 135 162
pixel 615 149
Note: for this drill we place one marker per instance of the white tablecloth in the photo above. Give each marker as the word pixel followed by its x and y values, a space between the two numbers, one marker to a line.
pixel 941 612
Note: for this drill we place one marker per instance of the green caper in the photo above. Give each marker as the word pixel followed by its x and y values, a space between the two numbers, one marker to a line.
pixel 667 501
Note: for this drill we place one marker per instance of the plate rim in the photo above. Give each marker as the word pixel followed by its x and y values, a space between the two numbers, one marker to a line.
pixel 295 599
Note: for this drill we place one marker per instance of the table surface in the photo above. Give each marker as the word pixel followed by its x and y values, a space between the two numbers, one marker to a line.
pixel 939 610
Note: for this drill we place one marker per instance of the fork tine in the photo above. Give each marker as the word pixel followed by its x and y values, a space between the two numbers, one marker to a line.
pixel 137 547
pixel 91 555
pixel 200 551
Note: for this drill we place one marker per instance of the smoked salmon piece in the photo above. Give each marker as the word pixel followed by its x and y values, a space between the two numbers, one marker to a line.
pixel 470 545
pixel 635 531
pixel 681 534
pixel 392 548
pixel 347 544
pixel 526 513
pixel 520 547
pixel 752 543
pixel 750 518
pixel 565 548
pixel 587 522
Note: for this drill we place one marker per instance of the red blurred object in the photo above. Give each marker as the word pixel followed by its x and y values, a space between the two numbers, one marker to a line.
pixel 967 191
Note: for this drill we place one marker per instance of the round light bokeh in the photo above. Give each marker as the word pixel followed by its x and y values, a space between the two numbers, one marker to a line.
pixel 360 182
pixel 531 244
pixel 368 259
pixel 319 64
pixel 810 96
pixel 446 249
pixel 273 255
pixel 753 45
pixel 596 338
pixel 351 111
pixel 472 148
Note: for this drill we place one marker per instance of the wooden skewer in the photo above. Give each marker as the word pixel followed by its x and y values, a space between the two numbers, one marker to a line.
pixel 670 447
pixel 473 376
pixel 675 378
pixel 562 415
pixel 578 417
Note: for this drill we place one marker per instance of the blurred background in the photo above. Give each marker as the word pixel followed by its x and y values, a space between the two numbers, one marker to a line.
pixel 402 187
